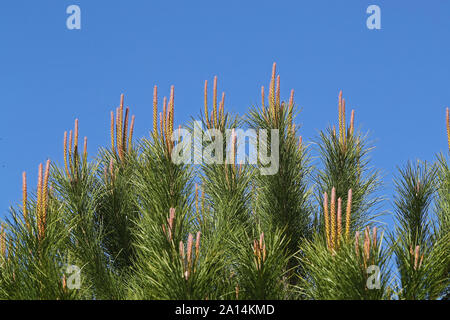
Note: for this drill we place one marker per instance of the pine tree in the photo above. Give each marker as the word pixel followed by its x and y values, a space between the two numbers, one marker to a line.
pixel 133 222
pixel 338 261
pixel 282 199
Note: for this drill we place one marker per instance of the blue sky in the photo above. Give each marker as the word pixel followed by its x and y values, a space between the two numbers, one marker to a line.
pixel 396 78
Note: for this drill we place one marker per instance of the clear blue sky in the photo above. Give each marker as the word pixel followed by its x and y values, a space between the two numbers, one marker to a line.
pixel 396 78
